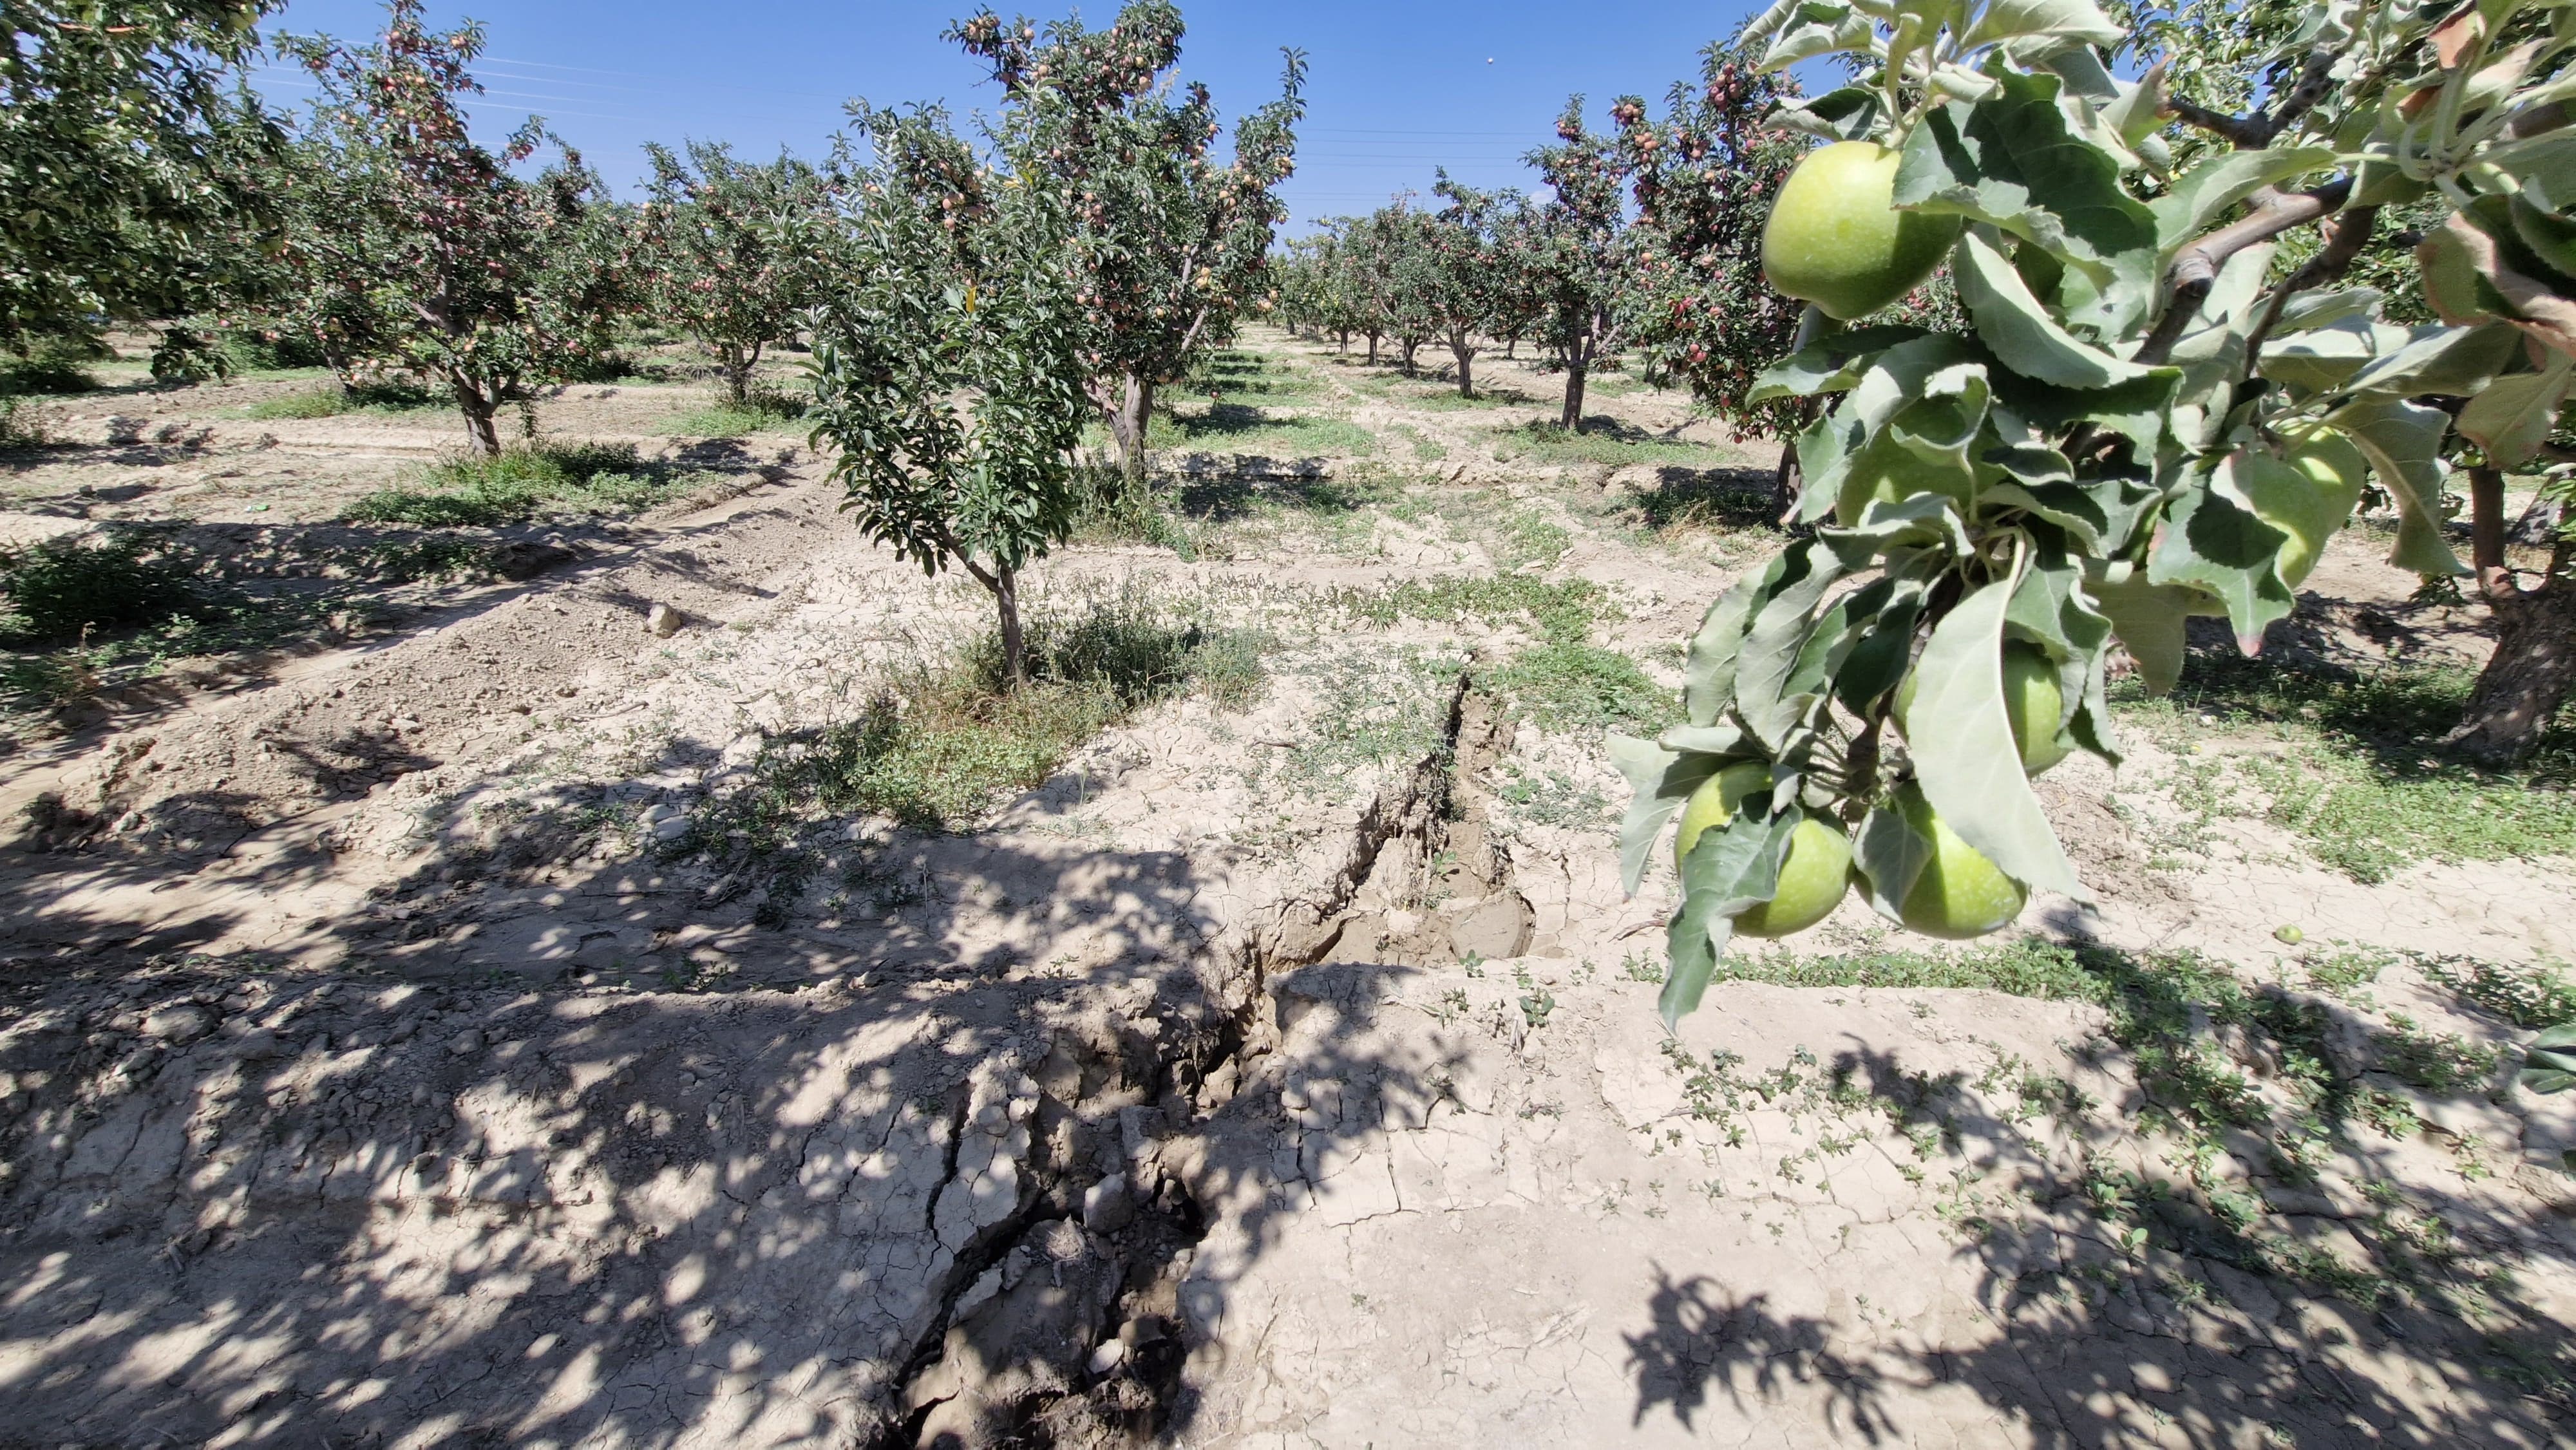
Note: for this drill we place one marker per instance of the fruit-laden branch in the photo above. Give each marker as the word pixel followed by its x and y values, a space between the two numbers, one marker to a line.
pixel 2272 212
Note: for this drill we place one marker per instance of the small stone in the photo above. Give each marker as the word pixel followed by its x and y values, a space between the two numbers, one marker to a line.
pixel 1108 1356
pixel 664 621
pixel 1109 1205
pixel 670 828
pixel 177 1022
pixel 466 1041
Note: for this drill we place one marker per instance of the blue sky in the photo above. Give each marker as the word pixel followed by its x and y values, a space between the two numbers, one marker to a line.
pixel 1395 88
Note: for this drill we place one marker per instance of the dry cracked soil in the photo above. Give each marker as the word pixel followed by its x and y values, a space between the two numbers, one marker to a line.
pixel 482 1005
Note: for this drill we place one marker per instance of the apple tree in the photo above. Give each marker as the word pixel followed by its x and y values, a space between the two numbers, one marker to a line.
pixel 1170 239
pixel 1703 176
pixel 724 248
pixel 2149 412
pixel 430 253
pixel 1577 250
pixel 128 162
pixel 951 353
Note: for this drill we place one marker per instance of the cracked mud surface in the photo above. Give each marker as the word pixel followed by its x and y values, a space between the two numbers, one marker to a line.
pixel 375 1069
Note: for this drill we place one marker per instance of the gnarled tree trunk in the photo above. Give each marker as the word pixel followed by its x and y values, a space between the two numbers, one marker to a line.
pixel 478 409
pixel 1578 372
pixel 1465 353
pixel 1128 424
pixel 2534 664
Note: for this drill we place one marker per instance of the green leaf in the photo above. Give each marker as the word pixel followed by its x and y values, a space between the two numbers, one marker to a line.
pixel 2452 361
pixel 1767 693
pixel 2015 324
pixel 2511 417
pixel 2074 22
pixel 1852 113
pixel 2135 410
pixel 2213 539
pixel 2203 194
pixel 1924 521
pixel 1896 378
pixel 1708 673
pixel 2147 618
pixel 1876 661
pixel 1661 782
pixel 2404 443
pixel 2011 161
pixel 1726 872
pixel 1961 739
pixel 1830 364
pixel 1890 857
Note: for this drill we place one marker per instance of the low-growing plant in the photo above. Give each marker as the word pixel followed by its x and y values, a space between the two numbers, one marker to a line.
pixel 475 491
pixel 2537 996
pixel 62 589
pixel 391 395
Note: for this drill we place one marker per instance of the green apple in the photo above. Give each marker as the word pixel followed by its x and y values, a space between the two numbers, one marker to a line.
pixel 1836 239
pixel 1813 875
pixel 2307 493
pixel 2034 704
pixel 1960 894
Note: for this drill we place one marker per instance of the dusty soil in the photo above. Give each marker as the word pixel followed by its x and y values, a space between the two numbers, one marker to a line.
pixel 380 1063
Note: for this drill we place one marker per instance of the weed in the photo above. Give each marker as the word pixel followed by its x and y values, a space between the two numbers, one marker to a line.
pixel 762 410
pixel 53 367
pixel 2347 968
pixel 432 556
pixel 2442 1062
pixel 1603 442
pixel 21 425
pixel 1567 685
pixel 1562 609
pixel 62 589
pixel 2356 781
pixel 934 747
pixel 475 491
pixel 332 401
pixel 2533 997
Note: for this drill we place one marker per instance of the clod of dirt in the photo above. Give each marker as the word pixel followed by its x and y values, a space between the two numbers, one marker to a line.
pixel 664 621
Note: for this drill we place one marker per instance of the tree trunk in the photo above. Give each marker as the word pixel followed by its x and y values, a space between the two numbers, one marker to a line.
pixel 1372 357
pixel 1466 357
pixel 2526 679
pixel 1786 485
pixel 1015 645
pixel 2534 664
pixel 1135 412
pixel 1511 345
pixel 478 411
pixel 1409 346
pixel 1577 372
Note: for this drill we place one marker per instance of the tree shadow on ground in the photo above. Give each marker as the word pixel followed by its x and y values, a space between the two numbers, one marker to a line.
pixel 1703 1336
pixel 2205 1306
pixel 1709 498
pixel 2392 704
pixel 1219 498
pixel 480 1182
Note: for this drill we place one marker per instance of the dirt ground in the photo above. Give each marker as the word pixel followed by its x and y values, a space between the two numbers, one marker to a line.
pixel 418 1030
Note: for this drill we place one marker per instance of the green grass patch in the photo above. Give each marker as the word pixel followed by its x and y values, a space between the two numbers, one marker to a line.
pixel 762 411
pixel 333 401
pixel 1571 685
pixel 474 491
pixel 1236 428
pixel 2530 997
pixel 53 368
pixel 2360 781
pixel 62 590
pixel 943 740
pixel 1617 446
pixel 1562 609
